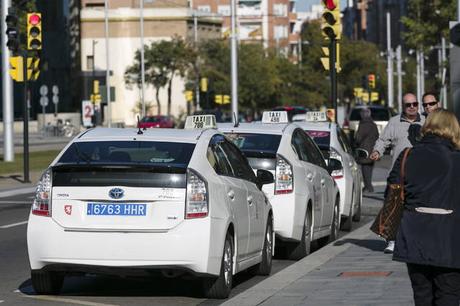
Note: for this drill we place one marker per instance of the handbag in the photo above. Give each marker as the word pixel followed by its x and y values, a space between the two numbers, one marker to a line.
pixel 387 222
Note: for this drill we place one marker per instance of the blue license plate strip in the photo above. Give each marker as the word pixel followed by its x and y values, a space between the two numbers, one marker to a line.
pixel 116 209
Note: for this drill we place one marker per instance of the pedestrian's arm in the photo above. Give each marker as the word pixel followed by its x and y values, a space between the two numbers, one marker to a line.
pixel 384 141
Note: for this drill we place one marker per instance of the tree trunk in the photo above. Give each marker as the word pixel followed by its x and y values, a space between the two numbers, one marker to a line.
pixel 169 94
pixel 157 97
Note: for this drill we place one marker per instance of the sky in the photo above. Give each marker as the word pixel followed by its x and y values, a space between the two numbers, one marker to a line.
pixel 303 5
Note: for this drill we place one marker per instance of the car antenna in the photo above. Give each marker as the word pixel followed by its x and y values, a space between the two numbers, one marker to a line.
pixel 235 120
pixel 139 132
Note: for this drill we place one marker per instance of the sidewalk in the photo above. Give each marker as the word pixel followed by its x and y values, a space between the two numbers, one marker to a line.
pixel 351 271
pixel 12 184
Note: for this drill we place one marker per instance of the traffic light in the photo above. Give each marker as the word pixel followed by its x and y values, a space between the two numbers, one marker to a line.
pixel 204 84
pixel 12 32
pixel 34 31
pixel 331 25
pixel 218 99
pixel 371 80
pixel 226 99
pixel 16 68
pixel 96 96
pixel 188 95
pixel 33 68
pixel 325 59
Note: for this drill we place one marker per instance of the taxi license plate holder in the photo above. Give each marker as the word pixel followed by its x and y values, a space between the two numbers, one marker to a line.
pixel 116 209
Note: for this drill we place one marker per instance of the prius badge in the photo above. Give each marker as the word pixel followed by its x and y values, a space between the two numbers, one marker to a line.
pixel 116 193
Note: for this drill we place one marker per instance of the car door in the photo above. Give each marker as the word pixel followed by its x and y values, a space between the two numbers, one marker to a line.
pixel 235 193
pixel 254 198
pixel 351 164
pixel 327 182
pixel 311 177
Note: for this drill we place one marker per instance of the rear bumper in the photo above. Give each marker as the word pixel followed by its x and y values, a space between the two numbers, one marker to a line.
pixel 188 246
pixel 288 215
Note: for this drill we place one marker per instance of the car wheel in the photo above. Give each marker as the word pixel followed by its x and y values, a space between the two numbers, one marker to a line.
pixel 347 223
pixel 301 249
pixel 357 216
pixel 220 287
pixel 265 266
pixel 335 227
pixel 45 282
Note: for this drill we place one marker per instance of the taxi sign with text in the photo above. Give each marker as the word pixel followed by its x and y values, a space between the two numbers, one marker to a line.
pixel 275 117
pixel 316 116
pixel 201 122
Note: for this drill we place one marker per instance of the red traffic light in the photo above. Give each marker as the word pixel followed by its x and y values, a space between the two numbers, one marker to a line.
pixel 34 19
pixel 371 77
pixel 330 4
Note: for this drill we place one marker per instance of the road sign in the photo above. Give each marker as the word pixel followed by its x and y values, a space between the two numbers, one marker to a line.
pixel 55 99
pixel 43 90
pixel 55 90
pixel 88 112
pixel 44 101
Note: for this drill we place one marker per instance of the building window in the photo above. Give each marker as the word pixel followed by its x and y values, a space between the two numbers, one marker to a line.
pixel 204 8
pixel 224 10
pixel 89 62
pixel 280 32
pixel 280 10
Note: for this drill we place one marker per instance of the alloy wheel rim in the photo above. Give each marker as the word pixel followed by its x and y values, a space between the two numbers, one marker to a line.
pixel 269 238
pixel 307 230
pixel 336 221
pixel 227 263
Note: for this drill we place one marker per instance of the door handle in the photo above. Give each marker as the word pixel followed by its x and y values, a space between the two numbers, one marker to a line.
pixel 310 176
pixel 250 199
pixel 323 182
pixel 231 194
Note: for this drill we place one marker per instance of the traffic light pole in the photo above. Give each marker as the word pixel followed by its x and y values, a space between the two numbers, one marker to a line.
pixel 26 120
pixel 333 74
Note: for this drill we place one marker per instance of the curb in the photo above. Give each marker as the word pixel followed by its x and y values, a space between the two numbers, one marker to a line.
pixel 13 192
pixel 270 286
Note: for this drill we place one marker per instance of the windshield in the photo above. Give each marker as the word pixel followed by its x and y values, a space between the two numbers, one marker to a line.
pixel 153 119
pixel 377 114
pixel 321 138
pixel 147 153
pixel 256 145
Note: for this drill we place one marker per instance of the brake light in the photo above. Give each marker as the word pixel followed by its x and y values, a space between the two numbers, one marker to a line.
pixel 336 174
pixel 196 205
pixel 42 202
pixel 284 181
pixel 346 124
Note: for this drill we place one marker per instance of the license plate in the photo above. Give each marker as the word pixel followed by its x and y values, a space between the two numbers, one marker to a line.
pixel 112 209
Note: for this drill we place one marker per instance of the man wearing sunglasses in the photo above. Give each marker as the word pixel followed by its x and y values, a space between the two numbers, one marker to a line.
pixel 430 103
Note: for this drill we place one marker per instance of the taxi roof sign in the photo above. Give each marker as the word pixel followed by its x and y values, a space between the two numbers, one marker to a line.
pixel 315 116
pixel 275 117
pixel 201 122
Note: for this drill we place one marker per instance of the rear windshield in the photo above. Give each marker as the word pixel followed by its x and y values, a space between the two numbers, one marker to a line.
pixel 256 145
pixel 152 119
pixel 378 114
pixel 321 138
pixel 148 153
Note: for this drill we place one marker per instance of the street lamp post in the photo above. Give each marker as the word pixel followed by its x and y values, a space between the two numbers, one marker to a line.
pixel 234 66
pixel 107 72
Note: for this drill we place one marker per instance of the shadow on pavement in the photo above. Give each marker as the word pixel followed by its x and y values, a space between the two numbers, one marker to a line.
pixel 371 244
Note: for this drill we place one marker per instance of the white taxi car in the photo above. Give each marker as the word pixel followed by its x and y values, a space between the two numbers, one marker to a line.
pixel 178 201
pixel 304 196
pixel 334 144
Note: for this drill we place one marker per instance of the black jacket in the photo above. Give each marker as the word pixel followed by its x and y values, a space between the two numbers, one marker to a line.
pixel 432 169
pixel 366 136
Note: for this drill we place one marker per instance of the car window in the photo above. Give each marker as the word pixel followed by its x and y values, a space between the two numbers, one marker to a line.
pixel 217 157
pixel 321 138
pixel 238 162
pixel 299 145
pixel 256 145
pixel 343 139
pixel 315 155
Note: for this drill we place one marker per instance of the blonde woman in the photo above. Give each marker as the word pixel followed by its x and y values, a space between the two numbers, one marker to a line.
pixel 428 237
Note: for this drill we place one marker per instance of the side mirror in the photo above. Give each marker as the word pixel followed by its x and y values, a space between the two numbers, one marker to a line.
pixel 333 165
pixel 361 153
pixel 264 177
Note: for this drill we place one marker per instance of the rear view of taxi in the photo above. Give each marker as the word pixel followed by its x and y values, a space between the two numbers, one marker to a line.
pixel 334 145
pixel 304 196
pixel 123 201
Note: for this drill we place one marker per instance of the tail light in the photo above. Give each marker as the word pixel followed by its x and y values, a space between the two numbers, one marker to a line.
pixel 42 202
pixel 336 174
pixel 284 181
pixel 346 124
pixel 196 205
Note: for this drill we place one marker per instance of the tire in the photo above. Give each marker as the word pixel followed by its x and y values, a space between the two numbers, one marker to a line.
pixel 301 249
pixel 357 216
pixel 335 226
pixel 47 282
pixel 265 266
pixel 220 287
pixel 347 225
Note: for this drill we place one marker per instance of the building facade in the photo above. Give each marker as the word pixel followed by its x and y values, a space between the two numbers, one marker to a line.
pixel 162 20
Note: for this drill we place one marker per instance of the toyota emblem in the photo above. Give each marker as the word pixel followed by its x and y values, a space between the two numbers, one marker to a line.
pixel 116 193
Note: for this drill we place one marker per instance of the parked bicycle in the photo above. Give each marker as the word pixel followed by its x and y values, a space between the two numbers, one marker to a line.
pixel 61 129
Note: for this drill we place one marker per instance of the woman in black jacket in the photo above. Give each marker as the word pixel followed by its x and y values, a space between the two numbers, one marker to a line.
pixel 428 238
